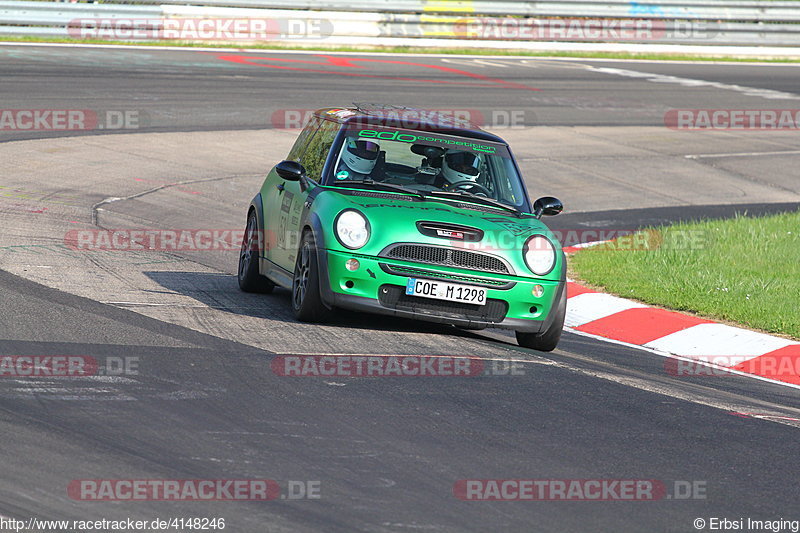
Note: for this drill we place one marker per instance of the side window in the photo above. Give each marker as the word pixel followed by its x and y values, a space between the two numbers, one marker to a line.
pixel 313 159
pixel 301 143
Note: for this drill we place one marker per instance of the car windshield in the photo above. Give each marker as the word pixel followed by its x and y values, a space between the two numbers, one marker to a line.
pixel 429 163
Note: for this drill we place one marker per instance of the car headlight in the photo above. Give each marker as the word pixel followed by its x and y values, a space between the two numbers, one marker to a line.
pixel 540 255
pixel 352 229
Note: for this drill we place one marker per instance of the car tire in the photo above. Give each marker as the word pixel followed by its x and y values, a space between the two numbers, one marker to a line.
pixel 250 280
pixel 547 341
pixel 306 297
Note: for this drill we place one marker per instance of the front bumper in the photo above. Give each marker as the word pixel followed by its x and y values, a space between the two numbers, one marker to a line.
pixel 378 286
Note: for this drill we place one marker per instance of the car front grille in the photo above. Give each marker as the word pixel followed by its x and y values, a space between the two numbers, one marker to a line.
pixel 395 297
pixel 452 257
pixel 399 270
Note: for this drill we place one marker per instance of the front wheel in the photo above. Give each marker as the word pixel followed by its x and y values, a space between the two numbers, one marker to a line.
pixel 306 297
pixel 250 280
pixel 547 341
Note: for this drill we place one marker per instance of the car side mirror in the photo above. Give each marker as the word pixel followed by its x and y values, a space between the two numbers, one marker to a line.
pixel 548 206
pixel 290 170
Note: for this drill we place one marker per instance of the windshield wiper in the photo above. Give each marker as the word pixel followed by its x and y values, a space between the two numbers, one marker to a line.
pixel 478 199
pixel 384 186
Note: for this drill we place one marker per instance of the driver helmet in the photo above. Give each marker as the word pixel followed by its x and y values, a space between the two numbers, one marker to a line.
pixel 361 156
pixel 461 166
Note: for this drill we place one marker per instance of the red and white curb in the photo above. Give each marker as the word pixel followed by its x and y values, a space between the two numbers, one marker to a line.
pixel 695 343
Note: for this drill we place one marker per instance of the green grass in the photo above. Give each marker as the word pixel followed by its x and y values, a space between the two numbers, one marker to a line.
pixel 743 270
pixel 404 50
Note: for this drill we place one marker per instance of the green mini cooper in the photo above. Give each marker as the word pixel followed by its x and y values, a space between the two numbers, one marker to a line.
pixel 424 218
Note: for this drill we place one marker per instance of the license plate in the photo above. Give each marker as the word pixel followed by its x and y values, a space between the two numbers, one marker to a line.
pixel 441 290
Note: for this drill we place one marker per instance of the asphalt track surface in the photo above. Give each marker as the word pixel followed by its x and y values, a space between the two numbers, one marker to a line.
pixel 204 402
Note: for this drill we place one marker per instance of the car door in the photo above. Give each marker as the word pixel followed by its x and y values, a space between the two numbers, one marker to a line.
pixel 291 198
pixel 277 203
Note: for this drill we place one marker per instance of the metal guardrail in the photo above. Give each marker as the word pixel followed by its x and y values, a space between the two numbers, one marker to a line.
pixel 735 10
pixel 706 22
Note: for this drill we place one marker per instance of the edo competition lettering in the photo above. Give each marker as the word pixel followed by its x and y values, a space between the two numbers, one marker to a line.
pixel 408 138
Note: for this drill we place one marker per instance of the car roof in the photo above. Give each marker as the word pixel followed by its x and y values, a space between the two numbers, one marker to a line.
pixel 396 116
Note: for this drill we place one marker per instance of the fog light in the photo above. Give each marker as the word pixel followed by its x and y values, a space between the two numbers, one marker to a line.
pixel 352 264
pixel 537 291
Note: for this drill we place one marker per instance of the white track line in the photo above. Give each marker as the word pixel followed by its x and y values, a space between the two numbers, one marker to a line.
pixel 742 154
pixel 769 94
